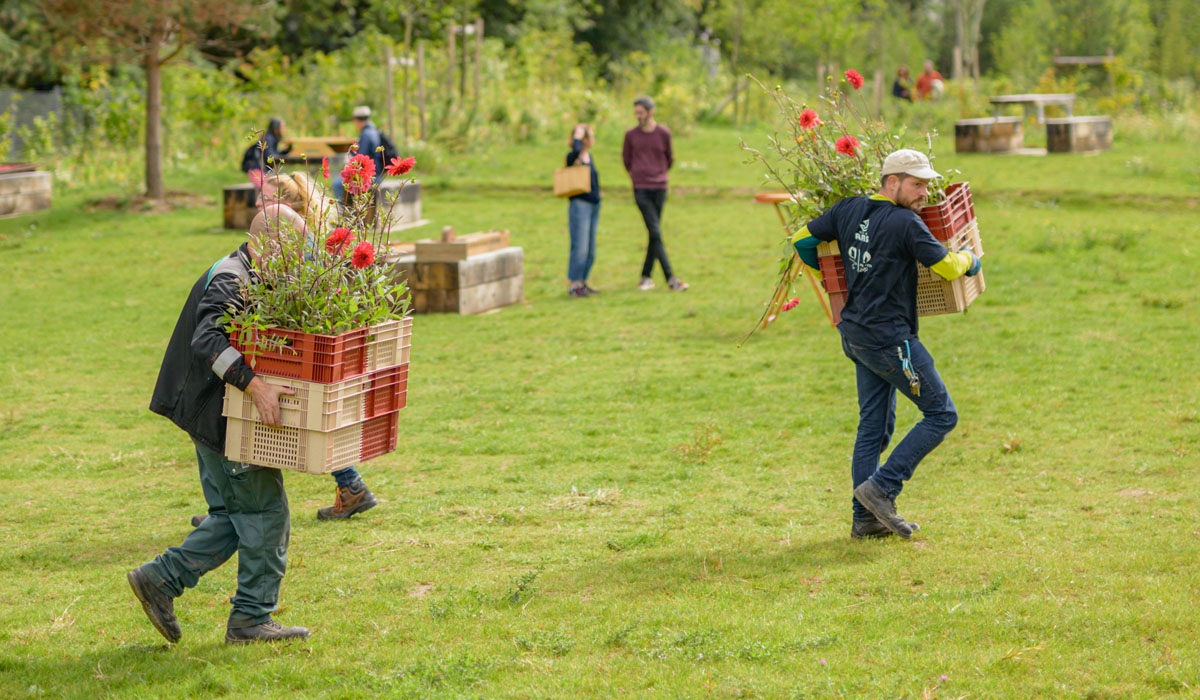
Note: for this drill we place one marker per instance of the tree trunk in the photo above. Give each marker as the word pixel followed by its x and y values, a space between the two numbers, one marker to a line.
pixel 154 176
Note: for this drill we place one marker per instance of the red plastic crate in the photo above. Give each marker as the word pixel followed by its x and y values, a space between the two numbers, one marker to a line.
pixel 952 215
pixel 388 392
pixel 833 273
pixel 837 302
pixel 305 356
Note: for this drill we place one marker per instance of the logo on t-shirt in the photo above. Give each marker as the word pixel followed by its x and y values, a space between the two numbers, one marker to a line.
pixel 860 261
pixel 862 232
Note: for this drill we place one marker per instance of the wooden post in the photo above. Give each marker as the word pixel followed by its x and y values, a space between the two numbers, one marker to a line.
pixel 449 87
pixel 878 93
pixel 408 22
pixel 820 76
pixel 421 88
pixel 478 57
pixel 466 61
pixel 389 88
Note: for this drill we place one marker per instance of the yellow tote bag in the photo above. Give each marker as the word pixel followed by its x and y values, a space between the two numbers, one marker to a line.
pixel 572 180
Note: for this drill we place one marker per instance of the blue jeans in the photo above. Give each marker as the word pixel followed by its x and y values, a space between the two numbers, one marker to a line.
pixel 247 514
pixel 583 218
pixel 345 477
pixel 880 375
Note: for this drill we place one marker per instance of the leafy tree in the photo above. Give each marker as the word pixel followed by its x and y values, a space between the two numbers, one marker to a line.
pixel 152 33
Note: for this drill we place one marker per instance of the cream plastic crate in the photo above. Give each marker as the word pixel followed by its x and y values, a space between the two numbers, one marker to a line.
pixel 936 296
pixel 389 344
pixel 317 406
pixel 310 451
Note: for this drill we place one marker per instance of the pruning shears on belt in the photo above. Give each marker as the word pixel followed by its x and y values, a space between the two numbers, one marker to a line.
pixel 914 381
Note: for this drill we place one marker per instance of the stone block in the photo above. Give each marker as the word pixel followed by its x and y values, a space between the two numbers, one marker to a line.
pixel 989 135
pixel 1078 134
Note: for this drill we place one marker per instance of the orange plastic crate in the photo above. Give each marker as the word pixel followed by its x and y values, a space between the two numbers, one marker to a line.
pixel 326 358
pixel 951 215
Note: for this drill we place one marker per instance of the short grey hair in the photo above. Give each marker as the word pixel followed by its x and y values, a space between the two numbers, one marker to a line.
pixel 645 103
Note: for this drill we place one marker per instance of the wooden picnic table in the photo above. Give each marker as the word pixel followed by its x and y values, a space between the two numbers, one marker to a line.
pixel 1036 102
pixel 319 145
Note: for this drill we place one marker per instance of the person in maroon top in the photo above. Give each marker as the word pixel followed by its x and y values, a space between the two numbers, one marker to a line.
pixel 648 157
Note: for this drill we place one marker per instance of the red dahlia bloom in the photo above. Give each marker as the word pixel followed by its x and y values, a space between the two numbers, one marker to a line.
pixel 339 240
pixel 856 80
pixel 399 166
pixel 364 254
pixel 325 167
pixel 791 304
pixel 847 145
pixel 809 119
pixel 358 174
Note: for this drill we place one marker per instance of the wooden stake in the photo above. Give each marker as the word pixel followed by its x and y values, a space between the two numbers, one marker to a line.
pixel 478 57
pixel 421 87
pixel 389 88
pixel 450 65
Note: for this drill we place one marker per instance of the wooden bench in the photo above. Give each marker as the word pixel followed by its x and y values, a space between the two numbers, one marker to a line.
pixel 1078 134
pixel 24 192
pixel 1034 102
pixel 240 205
pixel 989 135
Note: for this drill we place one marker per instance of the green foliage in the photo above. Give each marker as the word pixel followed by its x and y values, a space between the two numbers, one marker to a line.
pixel 327 280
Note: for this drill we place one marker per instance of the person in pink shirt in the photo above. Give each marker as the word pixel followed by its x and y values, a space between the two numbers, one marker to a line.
pixel 648 157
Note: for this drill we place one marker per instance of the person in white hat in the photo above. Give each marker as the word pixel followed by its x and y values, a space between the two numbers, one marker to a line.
pixel 881 239
pixel 369 141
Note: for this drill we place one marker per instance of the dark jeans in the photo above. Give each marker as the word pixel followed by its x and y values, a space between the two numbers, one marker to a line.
pixel 880 375
pixel 247 514
pixel 651 202
pixel 345 477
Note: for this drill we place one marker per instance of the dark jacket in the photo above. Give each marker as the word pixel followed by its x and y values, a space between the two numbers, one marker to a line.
pixel 258 156
pixel 199 359
pixel 592 196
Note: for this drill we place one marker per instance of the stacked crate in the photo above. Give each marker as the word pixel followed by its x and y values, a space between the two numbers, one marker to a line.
pixel 349 390
pixel 952 222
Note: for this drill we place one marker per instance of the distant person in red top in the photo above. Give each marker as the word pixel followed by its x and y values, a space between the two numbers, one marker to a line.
pixel 929 83
pixel 648 157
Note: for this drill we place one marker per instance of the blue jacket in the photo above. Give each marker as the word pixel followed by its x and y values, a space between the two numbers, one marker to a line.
pixel 368 142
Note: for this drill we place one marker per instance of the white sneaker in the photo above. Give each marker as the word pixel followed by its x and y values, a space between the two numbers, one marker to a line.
pixel 646 283
pixel 677 284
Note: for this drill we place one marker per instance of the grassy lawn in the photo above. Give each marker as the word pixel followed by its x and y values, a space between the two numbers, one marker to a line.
pixel 608 497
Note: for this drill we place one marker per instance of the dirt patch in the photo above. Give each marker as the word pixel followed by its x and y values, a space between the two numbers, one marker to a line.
pixel 1135 493
pixel 172 200
pixel 420 590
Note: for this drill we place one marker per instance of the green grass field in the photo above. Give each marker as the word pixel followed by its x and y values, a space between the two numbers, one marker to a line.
pixel 608 497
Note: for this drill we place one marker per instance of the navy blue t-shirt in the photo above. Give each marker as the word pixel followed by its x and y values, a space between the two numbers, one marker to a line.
pixel 881 244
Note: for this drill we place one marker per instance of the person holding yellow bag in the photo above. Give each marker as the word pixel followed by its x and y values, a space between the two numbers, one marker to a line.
pixel 583 215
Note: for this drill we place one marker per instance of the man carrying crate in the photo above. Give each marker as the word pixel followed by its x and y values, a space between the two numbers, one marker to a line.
pixel 881 239
pixel 248 508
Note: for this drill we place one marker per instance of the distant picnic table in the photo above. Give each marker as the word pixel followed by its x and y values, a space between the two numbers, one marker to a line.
pixel 319 146
pixel 1034 101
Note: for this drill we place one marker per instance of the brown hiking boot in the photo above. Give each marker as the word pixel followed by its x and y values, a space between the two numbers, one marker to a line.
pixel 269 631
pixel 355 498
pixel 159 606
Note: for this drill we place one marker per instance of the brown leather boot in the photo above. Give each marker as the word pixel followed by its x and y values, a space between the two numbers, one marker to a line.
pixel 349 500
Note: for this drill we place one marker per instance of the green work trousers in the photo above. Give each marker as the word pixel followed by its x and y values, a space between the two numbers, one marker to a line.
pixel 247 514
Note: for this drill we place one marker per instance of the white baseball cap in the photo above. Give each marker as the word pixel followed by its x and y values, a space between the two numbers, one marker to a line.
pixel 906 161
pixel 364 112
